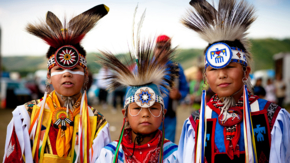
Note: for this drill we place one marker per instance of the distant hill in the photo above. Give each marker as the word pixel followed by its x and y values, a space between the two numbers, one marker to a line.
pixel 262 49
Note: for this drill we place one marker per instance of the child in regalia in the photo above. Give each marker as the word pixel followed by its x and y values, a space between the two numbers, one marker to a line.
pixel 234 125
pixel 60 127
pixel 140 140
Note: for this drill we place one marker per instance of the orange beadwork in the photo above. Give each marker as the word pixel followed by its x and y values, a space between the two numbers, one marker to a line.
pixel 59 115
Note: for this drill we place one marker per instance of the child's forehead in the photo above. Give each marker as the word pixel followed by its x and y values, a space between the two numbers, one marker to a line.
pixel 230 64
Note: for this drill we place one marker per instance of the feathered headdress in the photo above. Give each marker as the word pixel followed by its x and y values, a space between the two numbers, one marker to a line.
pixel 64 38
pixel 150 69
pixel 228 23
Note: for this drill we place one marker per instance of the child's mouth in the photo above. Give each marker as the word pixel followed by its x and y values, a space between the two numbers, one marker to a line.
pixel 67 84
pixel 224 85
pixel 145 123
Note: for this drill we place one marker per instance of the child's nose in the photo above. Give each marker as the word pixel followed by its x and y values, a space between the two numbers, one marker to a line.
pixel 67 74
pixel 145 112
pixel 222 73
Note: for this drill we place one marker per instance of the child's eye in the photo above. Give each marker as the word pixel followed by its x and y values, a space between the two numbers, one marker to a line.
pixel 212 69
pixel 137 108
pixel 153 108
pixel 76 68
pixel 59 69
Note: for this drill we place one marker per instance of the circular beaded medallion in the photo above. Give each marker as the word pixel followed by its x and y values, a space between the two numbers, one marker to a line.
pixel 67 57
pixel 145 97
pixel 62 119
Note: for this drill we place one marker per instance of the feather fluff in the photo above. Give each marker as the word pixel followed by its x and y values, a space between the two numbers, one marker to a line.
pixel 230 21
pixel 56 36
pixel 151 69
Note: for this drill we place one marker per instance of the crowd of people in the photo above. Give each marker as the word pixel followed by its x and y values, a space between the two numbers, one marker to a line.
pixel 233 125
pixel 274 91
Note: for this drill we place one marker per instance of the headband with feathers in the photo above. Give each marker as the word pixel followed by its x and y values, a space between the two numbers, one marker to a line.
pixel 56 34
pixel 228 23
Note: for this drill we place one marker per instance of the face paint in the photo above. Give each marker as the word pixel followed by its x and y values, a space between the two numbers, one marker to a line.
pixel 72 72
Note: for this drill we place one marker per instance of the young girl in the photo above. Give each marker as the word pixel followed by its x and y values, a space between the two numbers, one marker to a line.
pixel 234 126
pixel 140 139
pixel 60 127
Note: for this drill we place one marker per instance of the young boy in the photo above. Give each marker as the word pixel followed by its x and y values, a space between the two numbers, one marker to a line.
pixel 140 139
pixel 234 126
pixel 60 127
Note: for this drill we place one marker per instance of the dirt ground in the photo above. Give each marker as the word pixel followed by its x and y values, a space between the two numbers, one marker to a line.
pixel 115 121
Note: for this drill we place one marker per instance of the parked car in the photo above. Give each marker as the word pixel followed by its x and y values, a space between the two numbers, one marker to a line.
pixel 13 93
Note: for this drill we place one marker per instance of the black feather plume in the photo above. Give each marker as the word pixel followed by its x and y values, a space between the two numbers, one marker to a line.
pixel 56 34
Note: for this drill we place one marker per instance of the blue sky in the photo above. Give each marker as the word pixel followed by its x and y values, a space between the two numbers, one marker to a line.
pixel 113 32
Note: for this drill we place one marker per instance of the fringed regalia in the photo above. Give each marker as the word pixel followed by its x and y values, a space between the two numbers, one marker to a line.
pixel 44 131
pixel 223 130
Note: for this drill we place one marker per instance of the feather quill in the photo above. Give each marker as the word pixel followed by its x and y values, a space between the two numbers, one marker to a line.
pixel 140 24
pixel 133 33
pixel 136 38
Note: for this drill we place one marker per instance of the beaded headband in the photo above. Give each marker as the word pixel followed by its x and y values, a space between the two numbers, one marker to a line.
pixel 144 96
pixel 219 55
pixel 66 57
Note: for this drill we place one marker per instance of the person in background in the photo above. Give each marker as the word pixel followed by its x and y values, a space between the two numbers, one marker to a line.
pixel 270 91
pixel 90 82
pixel 102 84
pixel 118 92
pixel 259 89
pixel 178 92
pixel 280 87
pixel 195 89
